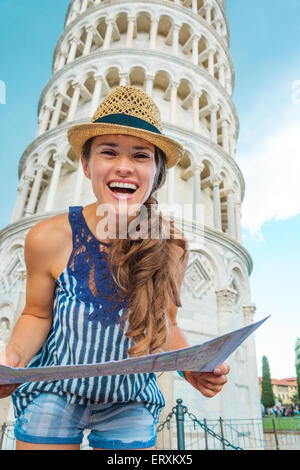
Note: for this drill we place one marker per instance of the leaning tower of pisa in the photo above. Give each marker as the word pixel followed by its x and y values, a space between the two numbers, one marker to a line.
pixel 178 52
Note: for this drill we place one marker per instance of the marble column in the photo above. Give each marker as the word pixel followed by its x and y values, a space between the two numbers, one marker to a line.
pixel 237 210
pixel 176 29
pixel 58 159
pixel 195 6
pixel 130 31
pixel 57 110
pixel 30 209
pixel 78 185
pixel 24 187
pixel 174 88
pixel 211 65
pixel 222 74
pixel 196 39
pixel 230 213
pixel 225 135
pixel 225 299
pixel 83 6
pixel 153 32
pixel 108 35
pixel 44 121
pixel 197 170
pixel 74 101
pixel 196 97
pixel 217 203
pixel 73 49
pixel 97 93
pixel 213 123
pixel 149 84
pixel 208 8
pixel 123 79
pixel 89 40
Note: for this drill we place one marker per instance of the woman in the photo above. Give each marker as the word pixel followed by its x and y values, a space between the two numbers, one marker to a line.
pixel 95 296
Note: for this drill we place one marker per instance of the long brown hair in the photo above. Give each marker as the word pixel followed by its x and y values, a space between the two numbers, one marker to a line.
pixel 148 272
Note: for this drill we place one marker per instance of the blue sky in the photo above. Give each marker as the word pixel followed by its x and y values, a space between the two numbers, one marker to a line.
pixel 265 44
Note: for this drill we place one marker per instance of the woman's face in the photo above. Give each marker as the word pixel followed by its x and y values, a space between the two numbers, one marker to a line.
pixel 117 159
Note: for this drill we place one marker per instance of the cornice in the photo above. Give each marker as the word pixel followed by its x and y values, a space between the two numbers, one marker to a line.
pixel 210 235
pixel 181 8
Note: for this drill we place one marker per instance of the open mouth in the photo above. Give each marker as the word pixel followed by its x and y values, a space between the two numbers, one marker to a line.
pixel 121 191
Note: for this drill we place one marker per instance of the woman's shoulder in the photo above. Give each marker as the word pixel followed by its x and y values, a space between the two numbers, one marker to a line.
pixel 52 233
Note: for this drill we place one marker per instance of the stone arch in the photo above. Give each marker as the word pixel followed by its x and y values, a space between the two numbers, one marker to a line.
pixel 238 279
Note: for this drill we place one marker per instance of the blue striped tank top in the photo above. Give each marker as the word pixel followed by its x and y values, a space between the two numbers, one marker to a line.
pixel 85 330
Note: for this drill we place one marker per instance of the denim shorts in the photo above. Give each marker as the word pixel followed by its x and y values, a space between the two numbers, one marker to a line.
pixel 49 419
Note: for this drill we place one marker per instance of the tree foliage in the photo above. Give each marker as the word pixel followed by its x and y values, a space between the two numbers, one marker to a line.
pixel 267 396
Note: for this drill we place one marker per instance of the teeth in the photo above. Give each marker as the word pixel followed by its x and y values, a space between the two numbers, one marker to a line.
pixel 122 185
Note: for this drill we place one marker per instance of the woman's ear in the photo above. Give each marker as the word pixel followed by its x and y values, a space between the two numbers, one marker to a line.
pixel 85 167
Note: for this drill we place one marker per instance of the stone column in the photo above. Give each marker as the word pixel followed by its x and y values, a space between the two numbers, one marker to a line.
pixel 58 159
pixel 89 40
pixel 196 39
pixel 217 203
pixel 211 65
pixel 83 6
pixel 208 8
pixel 237 209
pixel 197 170
pixel 196 97
pixel 72 52
pixel 24 186
pixel 153 32
pixel 30 209
pixel 225 135
pixel 222 74
pixel 176 29
pixel 57 110
pixel 174 87
pixel 97 93
pixel 149 84
pixel 230 213
pixel 195 6
pixel 78 185
pixel 45 118
pixel 252 375
pixel 213 123
pixel 171 185
pixel 108 35
pixel 74 102
pixel 225 302
pixel 123 79
pixel 62 60
pixel 130 31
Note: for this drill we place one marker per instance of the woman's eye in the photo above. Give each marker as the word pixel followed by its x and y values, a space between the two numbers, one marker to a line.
pixel 142 155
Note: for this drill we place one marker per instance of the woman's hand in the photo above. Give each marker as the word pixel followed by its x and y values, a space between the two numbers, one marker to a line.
pixel 11 359
pixel 209 383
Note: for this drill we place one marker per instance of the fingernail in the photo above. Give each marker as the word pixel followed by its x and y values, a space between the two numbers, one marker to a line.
pixel 217 371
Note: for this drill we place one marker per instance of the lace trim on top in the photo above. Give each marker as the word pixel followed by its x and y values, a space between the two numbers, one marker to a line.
pixel 89 265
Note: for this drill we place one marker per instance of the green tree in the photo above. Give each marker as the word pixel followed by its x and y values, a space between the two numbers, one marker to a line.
pixel 267 396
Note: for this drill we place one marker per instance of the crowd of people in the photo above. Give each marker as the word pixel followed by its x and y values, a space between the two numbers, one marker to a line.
pixel 282 410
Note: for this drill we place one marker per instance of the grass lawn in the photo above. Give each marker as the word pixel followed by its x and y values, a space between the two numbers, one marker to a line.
pixel 285 423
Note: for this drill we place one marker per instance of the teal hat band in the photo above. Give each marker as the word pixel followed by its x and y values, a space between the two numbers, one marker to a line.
pixel 127 120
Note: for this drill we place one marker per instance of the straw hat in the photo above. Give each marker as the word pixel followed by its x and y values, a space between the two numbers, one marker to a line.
pixel 127 110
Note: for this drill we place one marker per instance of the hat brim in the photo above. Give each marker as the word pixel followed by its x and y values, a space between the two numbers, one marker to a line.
pixel 78 135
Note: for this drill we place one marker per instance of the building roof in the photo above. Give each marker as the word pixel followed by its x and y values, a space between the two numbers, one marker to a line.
pixel 289 381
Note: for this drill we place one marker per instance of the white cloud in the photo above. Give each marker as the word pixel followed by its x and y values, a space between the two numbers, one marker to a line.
pixel 271 168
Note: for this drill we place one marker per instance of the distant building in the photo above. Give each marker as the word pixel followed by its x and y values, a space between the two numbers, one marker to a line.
pixel 284 389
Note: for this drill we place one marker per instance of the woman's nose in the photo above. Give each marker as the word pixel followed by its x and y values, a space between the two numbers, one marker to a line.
pixel 124 164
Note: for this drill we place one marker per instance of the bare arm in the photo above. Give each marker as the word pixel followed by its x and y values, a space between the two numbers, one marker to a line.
pixel 34 324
